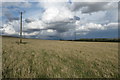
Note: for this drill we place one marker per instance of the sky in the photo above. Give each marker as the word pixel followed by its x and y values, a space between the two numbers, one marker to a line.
pixel 68 19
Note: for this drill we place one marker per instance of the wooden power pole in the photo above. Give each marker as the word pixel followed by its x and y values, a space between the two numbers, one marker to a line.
pixel 20 27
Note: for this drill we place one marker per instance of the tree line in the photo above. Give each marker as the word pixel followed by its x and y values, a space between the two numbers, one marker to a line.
pixel 98 39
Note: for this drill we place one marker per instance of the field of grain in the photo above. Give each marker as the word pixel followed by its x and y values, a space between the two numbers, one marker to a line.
pixel 58 59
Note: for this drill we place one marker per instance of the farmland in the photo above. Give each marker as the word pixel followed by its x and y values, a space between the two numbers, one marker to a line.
pixel 36 58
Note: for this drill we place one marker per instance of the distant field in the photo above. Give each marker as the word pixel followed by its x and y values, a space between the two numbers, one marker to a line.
pixel 59 59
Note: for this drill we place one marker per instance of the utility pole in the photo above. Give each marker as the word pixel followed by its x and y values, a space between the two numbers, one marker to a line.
pixel 20 27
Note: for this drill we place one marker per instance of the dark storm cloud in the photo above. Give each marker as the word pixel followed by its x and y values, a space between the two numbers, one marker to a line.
pixel 61 26
pixel 89 7
pixel 30 30
pixel 76 18
pixel 33 30
pixel 13 18
pixel 29 20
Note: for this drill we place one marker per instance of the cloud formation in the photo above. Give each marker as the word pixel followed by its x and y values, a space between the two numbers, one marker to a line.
pixel 29 20
pixel 62 19
pixel 89 7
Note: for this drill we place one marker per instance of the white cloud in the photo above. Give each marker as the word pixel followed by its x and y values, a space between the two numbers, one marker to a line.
pixel 31 34
pixel 35 25
pixel 8 30
pixel 111 26
pixel 57 14
pixel 50 30
pixel 56 11
pixel 89 27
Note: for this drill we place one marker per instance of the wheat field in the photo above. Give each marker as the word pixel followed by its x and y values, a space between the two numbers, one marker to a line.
pixel 36 58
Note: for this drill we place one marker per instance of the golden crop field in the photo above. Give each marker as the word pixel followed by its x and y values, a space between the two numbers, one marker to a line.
pixel 58 59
